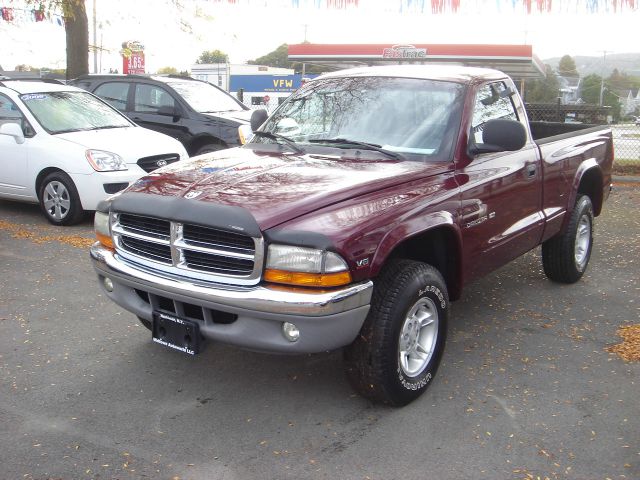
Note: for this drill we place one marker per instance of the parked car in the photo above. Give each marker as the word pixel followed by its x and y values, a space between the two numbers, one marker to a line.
pixel 68 150
pixel 203 117
pixel 358 211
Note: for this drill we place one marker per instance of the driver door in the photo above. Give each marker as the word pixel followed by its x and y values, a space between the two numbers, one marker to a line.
pixel 13 156
pixel 501 215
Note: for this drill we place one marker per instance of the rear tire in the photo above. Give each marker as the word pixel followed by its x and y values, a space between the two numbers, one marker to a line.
pixel 59 200
pixel 565 257
pixel 400 345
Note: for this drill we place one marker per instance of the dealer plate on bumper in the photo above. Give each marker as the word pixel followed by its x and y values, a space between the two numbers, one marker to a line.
pixel 176 333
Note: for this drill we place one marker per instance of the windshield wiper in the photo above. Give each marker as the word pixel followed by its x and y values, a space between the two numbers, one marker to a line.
pixel 110 126
pixel 276 136
pixel 364 145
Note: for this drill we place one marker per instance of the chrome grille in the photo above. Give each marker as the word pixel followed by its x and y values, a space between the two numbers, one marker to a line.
pixel 151 250
pixel 188 250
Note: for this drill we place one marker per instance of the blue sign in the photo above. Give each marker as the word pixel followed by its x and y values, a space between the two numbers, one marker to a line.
pixel 267 83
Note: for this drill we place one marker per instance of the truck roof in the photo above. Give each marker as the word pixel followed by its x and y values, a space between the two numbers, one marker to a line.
pixel 449 73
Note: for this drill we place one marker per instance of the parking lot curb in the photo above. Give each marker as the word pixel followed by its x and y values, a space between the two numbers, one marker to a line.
pixel 625 179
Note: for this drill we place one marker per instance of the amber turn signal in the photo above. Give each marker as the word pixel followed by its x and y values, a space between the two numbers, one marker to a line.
pixel 105 240
pixel 303 279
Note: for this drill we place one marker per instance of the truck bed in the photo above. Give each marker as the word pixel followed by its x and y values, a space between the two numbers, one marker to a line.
pixel 545 132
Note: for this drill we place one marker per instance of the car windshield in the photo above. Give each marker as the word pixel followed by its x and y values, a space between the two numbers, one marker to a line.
pixel 413 118
pixel 61 112
pixel 206 98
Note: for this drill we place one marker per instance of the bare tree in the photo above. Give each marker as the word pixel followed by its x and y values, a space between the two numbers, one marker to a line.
pixel 76 26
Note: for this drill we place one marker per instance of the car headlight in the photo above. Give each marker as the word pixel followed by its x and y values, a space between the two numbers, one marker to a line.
pixel 102 227
pixel 306 267
pixel 102 161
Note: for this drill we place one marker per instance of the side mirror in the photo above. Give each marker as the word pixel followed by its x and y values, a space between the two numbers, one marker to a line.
pixel 258 117
pixel 169 111
pixel 500 136
pixel 13 130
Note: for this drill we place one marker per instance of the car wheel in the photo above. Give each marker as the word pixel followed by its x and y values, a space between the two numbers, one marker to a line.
pixel 565 257
pixel 59 199
pixel 211 147
pixel 398 350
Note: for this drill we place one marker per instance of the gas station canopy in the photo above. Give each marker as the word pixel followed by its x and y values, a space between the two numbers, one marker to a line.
pixel 517 61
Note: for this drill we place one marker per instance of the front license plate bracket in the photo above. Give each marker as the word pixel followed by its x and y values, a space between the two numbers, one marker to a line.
pixel 175 332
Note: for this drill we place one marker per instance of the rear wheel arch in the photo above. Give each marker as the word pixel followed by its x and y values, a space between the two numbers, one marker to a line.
pixel 591 186
pixel 440 247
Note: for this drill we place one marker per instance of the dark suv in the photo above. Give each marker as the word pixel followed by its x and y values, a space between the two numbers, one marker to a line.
pixel 203 117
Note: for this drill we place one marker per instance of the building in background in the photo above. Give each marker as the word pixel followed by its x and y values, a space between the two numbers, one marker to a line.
pixel 255 85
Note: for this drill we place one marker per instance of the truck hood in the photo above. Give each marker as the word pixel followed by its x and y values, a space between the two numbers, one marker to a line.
pixel 240 116
pixel 278 188
pixel 131 143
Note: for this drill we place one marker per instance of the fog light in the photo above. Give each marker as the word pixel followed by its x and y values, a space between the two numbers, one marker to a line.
pixel 290 331
pixel 108 284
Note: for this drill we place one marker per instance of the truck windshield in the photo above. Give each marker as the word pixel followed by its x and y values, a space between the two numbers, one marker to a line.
pixel 205 98
pixel 417 119
pixel 62 112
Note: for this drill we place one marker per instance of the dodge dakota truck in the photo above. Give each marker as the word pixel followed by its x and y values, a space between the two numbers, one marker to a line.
pixel 357 211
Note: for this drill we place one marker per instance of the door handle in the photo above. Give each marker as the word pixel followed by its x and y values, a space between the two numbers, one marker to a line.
pixel 531 170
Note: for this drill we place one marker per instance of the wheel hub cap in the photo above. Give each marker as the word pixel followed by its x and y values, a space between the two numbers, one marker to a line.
pixel 418 337
pixel 57 201
pixel 583 239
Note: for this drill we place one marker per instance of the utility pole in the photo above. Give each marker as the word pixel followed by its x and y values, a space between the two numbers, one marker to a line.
pixel 95 39
pixel 604 61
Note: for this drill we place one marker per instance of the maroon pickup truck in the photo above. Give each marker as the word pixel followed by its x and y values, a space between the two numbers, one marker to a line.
pixel 353 216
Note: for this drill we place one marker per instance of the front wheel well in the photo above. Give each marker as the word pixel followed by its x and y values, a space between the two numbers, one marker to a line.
pixel 439 248
pixel 200 142
pixel 591 186
pixel 41 176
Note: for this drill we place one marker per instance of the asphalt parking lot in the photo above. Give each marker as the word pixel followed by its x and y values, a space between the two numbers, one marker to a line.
pixel 526 389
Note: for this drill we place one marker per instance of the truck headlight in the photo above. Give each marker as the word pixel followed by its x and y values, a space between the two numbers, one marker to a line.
pixel 102 161
pixel 307 267
pixel 102 227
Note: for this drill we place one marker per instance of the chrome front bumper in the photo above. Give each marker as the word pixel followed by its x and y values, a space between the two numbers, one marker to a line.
pixel 326 319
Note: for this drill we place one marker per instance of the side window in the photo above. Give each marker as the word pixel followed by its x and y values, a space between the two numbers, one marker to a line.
pixel 114 93
pixel 150 98
pixel 492 102
pixel 10 113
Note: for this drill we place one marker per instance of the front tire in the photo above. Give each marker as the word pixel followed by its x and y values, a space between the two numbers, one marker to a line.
pixel 211 147
pixel 401 343
pixel 565 257
pixel 59 199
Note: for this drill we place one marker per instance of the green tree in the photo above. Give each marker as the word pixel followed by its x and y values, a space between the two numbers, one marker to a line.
pixel 277 58
pixel 567 67
pixel 545 90
pixel 168 71
pixel 213 56
pixel 76 27
pixel 280 58
pixel 590 93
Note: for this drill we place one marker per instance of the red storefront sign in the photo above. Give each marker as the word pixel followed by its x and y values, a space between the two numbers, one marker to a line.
pixel 134 63
pixel 132 57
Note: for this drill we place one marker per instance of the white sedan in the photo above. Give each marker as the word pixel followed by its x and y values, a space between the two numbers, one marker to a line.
pixel 68 150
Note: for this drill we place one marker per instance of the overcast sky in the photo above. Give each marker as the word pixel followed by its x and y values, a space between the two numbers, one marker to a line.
pixel 176 38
